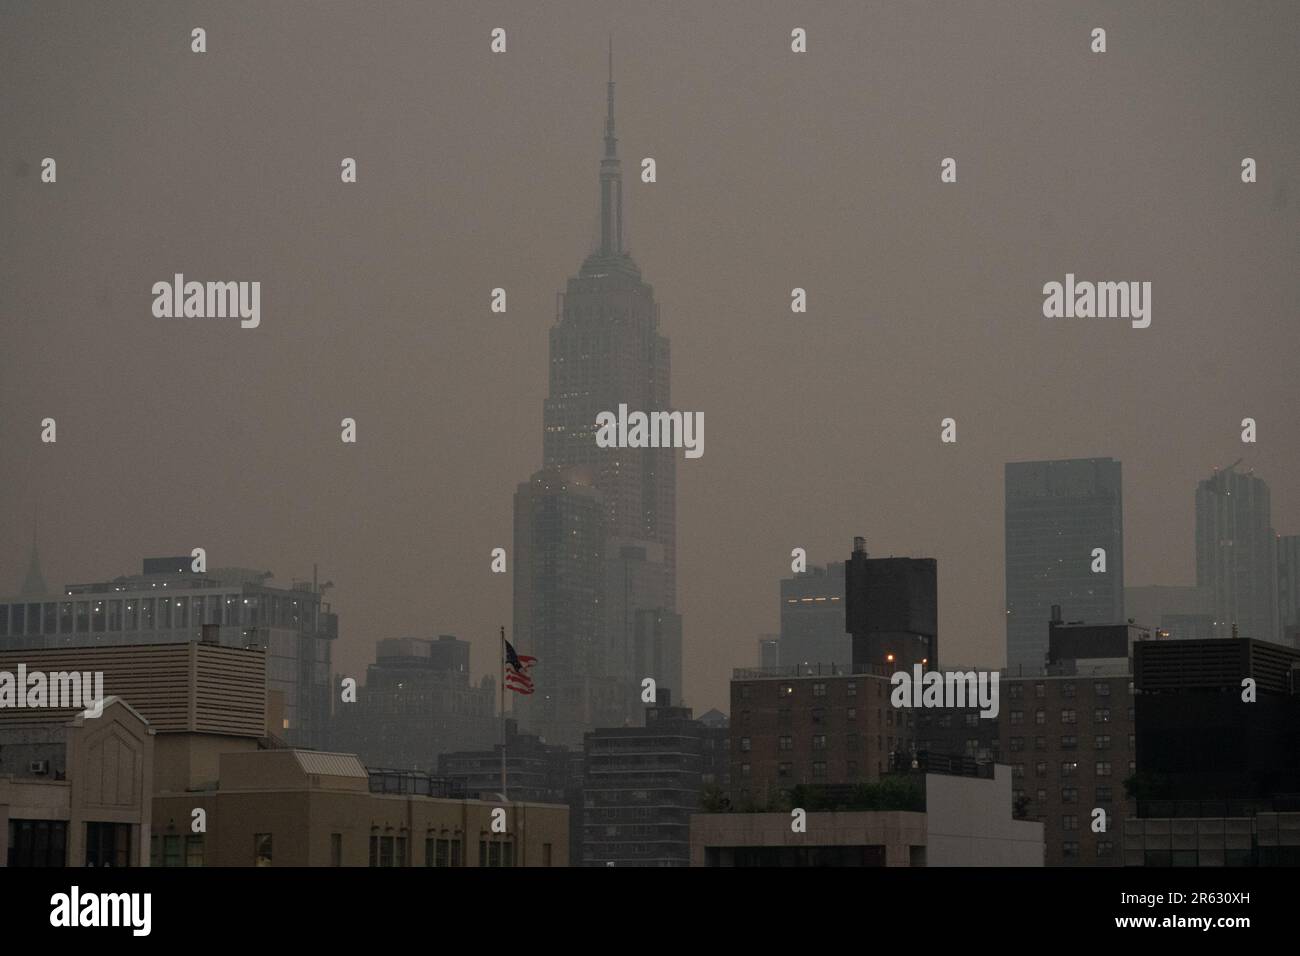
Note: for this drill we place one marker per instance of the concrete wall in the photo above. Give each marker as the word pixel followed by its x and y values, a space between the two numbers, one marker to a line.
pixel 971 824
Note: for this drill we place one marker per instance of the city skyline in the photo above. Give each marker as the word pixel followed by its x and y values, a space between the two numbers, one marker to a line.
pixel 375 302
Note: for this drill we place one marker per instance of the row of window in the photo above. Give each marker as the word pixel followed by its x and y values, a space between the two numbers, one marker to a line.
pixel 1070 768
pixel 1068 689
pixel 1069 742
pixel 1100 715
pixel 818 689
pixel 45 843
pixel 1068 795
pixel 147 614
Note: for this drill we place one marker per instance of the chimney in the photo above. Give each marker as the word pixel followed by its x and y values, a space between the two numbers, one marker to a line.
pixel 859 545
pixel 1056 614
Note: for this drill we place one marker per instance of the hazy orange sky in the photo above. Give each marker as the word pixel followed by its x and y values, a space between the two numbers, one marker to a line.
pixel 775 170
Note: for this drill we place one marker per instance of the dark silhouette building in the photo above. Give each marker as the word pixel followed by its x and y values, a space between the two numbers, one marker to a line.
pixel 891 610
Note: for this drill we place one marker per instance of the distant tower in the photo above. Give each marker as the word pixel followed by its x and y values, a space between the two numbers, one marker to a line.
pixel 1236 554
pixel 1057 514
pixel 596 600
pixel 34 583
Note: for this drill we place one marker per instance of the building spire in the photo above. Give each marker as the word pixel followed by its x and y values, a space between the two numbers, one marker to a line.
pixel 611 179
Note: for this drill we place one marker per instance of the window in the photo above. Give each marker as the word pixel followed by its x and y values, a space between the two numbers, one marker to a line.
pixel 1017 716
pixel 1017 770
pixel 1040 690
pixel 784 743
pixel 1017 744
pixel 19 616
pixel 1040 716
pixel 783 770
pixel 1069 795
pixel 1101 689
pixel 744 770
pixel 1017 691
pixel 108 844
pixel 546 854
pixel 194 850
pixel 819 769
pixel 387 851
pixel 1069 822
pixel 115 615
pixel 83 616
pixel 1070 849
pixel 851 689
pixel 1069 768
pixel 4 620
pixel 1132 741
pixel 1069 716
pixel 50 612
pixel 853 713
pixel 132 615
pixel 744 744
pixel 336 849
pixel 1040 769
pixel 819 742
pixel 819 690
pixel 146 615
pixel 1101 715
pixel 786 690
pixel 164 621
pixel 1069 742
pixel 852 743
pixel 261 848
pixel 1103 768
pixel 65 617
pixel 1040 743
pixel 745 690
pixel 1105 848
pixel 1103 795
pixel 171 850
pixel 1103 741
pixel 973 720
pixel 38 843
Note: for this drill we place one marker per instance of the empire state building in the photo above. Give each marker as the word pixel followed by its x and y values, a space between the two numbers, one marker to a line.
pixel 595 590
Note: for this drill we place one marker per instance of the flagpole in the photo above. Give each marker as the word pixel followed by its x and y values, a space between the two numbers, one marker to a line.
pixel 503 712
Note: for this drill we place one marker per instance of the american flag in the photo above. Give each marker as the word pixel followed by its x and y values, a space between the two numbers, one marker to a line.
pixel 517 668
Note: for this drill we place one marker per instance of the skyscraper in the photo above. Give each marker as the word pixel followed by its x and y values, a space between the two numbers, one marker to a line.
pixel 595 530
pixel 1236 554
pixel 1058 513
pixel 605 350
pixel 813 629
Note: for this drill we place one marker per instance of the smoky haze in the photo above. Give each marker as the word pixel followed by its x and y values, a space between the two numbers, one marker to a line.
pixel 775 170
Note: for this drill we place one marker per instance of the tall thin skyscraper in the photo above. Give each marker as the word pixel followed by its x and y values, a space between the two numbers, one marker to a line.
pixel 1057 514
pixel 1236 554
pixel 605 350
pixel 612 621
